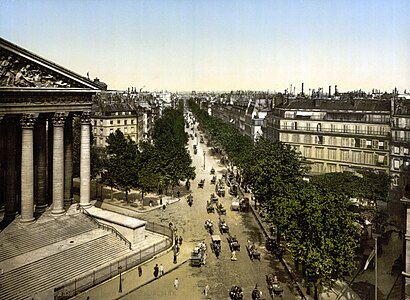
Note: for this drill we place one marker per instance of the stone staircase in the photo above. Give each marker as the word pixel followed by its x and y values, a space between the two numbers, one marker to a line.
pixel 39 257
pixel 52 270
pixel 34 237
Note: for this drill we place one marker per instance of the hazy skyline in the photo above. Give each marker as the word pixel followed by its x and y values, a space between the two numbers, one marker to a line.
pixel 182 45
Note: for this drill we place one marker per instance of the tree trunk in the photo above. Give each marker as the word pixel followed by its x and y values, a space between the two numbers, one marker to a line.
pixel 112 194
pixel 142 196
pixel 126 196
pixel 316 295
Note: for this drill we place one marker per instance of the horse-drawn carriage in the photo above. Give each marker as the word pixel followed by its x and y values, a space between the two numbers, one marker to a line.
pixel 201 183
pixel 236 293
pixel 220 188
pixel 256 293
pixel 223 227
pixel 252 251
pixel 214 198
pixel 213 179
pixel 209 226
pixel 244 204
pixel 274 287
pixel 190 199
pixel 233 243
pixel 221 209
pixel 210 207
pixel 216 244
pixel 212 171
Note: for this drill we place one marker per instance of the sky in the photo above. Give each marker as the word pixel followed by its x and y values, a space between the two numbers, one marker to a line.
pixel 219 45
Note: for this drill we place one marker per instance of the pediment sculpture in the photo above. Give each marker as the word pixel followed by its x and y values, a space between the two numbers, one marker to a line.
pixel 19 72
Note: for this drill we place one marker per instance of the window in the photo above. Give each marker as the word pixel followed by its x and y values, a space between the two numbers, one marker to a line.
pixel 381 145
pixel 132 129
pixel 332 128
pixel 345 142
pixel 319 127
pixel 118 121
pixel 319 152
pixel 396 164
pixel 380 159
pixel 111 131
pixel 111 122
pixel 126 130
pixel 307 151
pixel 345 128
pixel 95 123
pixel 395 180
pixel 357 143
pixel 95 130
pixel 368 144
pixel 406 151
pixel 295 125
pixel 344 155
pixel 332 154
pixel 368 158
pixel 396 150
pixel 125 122
pixel 331 168
pixel 320 139
pixel 356 156
pixel 306 139
pixel 132 122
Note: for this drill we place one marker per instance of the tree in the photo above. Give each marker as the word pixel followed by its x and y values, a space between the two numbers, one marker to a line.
pixel 322 235
pixel 121 169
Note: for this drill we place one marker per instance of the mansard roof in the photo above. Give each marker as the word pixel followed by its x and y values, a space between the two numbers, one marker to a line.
pixel 329 105
pixel 22 70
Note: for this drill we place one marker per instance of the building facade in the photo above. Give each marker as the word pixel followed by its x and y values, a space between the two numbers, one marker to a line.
pixel 38 102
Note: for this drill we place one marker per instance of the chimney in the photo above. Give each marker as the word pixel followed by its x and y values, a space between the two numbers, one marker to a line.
pixel 330 91
pixel 335 90
pixel 302 89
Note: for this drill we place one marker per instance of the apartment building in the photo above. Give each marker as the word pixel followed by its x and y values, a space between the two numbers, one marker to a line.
pixel 117 115
pixel 334 135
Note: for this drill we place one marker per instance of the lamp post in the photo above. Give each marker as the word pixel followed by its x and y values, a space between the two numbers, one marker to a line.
pixel 120 287
pixel 204 160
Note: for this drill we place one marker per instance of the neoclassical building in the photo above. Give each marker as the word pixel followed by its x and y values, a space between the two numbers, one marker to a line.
pixel 38 101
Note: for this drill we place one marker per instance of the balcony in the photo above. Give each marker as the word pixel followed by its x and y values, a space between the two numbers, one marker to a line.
pixel 333 131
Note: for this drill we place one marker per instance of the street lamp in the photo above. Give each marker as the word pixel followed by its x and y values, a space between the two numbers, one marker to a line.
pixel 204 160
pixel 120 287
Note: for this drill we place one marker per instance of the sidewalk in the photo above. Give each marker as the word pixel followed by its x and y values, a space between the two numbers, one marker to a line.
pixel 130 279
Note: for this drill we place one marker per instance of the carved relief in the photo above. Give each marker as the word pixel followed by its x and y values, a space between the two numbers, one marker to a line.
pixel 85 117
pixel 27 121
pixel 59 119
pixel 44 99
pixel 19 72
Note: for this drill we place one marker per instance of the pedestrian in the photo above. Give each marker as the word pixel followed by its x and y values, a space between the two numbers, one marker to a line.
pixel 139 271
pixel 156 271
pixel 176 283
pixel 160 200
pixel 161 270
pixel 163 207
pixel 180 240
pixel 175 257
pixel 176 240
pixel 206 290
pixel 178 193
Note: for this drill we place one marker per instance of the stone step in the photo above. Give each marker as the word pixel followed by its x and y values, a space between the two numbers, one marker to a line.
pixel 56 269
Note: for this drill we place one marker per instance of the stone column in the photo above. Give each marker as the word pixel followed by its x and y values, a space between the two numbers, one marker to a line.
pixel 11 179
pixel 27 168
pixel 68 160
pixel 58 164
pixel 2 163
pixel 40 154
pixel 85 160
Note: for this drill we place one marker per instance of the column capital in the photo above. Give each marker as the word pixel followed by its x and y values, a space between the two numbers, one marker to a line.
pixel 59 119
pixel 85 118
pixel 27 121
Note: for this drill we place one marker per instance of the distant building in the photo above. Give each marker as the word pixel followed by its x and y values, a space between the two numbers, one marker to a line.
pixel 334 135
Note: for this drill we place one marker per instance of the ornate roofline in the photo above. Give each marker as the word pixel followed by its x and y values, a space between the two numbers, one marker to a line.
pixel 48 65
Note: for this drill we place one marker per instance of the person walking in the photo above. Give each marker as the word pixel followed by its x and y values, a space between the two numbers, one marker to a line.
pixel 156 271
pixel 180 240
pixel 176 283
pixel 206 290
pixel 161 270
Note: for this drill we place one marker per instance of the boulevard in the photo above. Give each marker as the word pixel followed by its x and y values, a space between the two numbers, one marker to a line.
pixel 219 273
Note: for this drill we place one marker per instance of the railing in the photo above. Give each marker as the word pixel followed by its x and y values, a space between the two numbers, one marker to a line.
pixel 106 227
pixel 109 270
pixel 335 130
